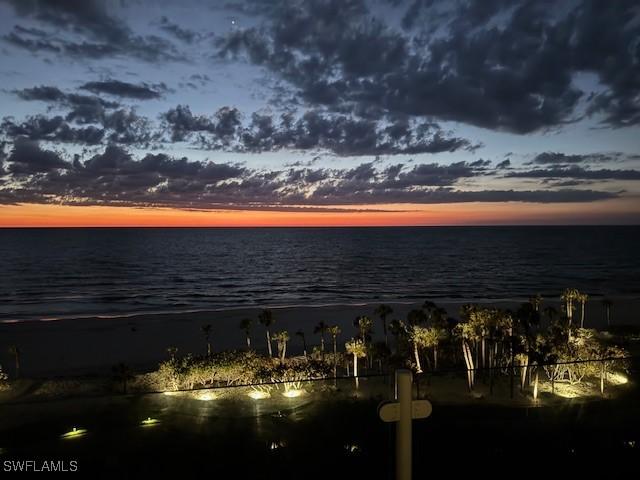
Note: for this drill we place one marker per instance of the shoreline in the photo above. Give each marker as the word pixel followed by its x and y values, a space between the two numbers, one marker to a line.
pixel 92 345
pixel 440 301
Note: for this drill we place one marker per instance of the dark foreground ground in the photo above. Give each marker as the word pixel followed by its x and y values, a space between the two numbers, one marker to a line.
pixel 315 436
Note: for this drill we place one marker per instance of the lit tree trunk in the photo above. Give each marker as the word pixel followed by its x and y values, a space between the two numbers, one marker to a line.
pixel 484 363
pixel 322 342
pixel 248 342
pixel 269 343
pixel 608 316
pixel 582 315
pixel 535 385
pixel 602 375
pixel 417 356
pixel 468 359
pixel 355 369
pixel 208 348
pixel 435 357
pixel 284 351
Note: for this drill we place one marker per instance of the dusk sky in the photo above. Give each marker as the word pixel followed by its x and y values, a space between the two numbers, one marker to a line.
pixel 344 112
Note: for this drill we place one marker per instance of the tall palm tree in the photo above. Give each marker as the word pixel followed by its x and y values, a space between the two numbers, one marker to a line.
pixel 282 338
pixel 265 317
pixel 383 311
pixel 321 328
pixel 245 325
pixel 364 324
pixel 582 298
pixel 358 349
pixel 334 331
pixel 569 297
pixel 15 351
pixel 419 339
pixel 396 327
pixel 536 301
pixel 416 317
pixel 206 329
pixel 122 373
pixel 607 304
pixel 300 334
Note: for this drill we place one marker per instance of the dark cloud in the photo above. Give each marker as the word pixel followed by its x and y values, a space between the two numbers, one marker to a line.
pixel 516 76
pixel 503 164
pixel 124 89
pixel 28 158
pixel 122 126
pixel 339 134
pixel 102 35
pixel 52 129
pixel 556 158
pixel 115 177
pixel 577 172
pixel 184 34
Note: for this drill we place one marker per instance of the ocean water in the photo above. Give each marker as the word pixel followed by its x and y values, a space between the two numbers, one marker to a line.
pixel 59 273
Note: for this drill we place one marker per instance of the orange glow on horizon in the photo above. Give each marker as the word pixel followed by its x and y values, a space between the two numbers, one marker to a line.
pixel 39 215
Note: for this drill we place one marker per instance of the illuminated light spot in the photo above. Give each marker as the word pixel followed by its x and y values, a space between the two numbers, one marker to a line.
pixel 630 443
pixel 204 396
pixel 171 394
pixel 276 445
pixel 617 378
pixel 352 449
pixel 293 393
pixel 258 394
pixel 149 422
pixel 76 432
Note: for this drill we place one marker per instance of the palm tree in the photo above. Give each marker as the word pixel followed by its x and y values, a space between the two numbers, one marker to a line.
pixel 536 301
pixel 396 327
pixel 246 324
pixel 282 338
pixel 172 351
pixel 266 318
pixel 300 334
pixel 607 304
pixel 569 296
pixel 416 317
pixel 364 324
pixel 15 351
pixel 321 328
pixel 334 331
pixel 358 349
pixel 434 336
pixel 383 311
pixel 206 329
pixel 582 298
pixel 419 338
pixel 122 373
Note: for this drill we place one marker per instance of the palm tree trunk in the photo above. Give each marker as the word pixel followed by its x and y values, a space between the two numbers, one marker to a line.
pixel 355 369
pixel 284 351
pixel 608 316
pixel 335 357
pixel 582 316
pixel 248 342
pixel 269 343
pixel 322 343
pixel 435 357
pixel 417 356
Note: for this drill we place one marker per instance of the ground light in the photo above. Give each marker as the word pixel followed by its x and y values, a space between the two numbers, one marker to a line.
pixel 258 394
pixel 293 393
pixel 149 422
pixel 617 378
pixel 74 433
pixel 204 396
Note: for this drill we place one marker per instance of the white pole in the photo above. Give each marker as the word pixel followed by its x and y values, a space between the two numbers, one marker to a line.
pixel 404 394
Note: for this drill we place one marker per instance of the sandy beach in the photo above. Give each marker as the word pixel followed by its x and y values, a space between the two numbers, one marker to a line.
pixel 93 345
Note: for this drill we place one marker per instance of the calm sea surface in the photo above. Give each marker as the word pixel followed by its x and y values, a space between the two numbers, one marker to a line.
pixel 52 273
